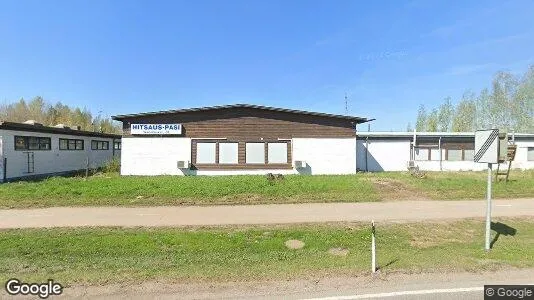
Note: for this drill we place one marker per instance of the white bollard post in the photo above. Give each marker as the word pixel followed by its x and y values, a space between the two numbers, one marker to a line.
pixel 373 248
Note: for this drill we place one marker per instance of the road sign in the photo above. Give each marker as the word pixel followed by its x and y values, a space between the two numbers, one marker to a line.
pixel 487 151
pixel 487 146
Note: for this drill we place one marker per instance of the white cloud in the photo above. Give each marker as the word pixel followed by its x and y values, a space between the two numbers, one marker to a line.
pixel 446 31
pixel 468 69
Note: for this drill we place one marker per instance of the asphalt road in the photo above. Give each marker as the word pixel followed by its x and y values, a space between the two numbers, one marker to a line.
pixel 260 214
pixel 459 285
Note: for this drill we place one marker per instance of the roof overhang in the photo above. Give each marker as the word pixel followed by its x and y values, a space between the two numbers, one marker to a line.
pixel 356 120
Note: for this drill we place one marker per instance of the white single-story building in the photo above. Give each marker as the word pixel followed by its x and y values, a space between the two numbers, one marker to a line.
pixel 432 151
pixel 29 150
pixel 238 139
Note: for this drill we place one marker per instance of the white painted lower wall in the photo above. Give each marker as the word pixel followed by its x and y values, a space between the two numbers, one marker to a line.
pixel 393 155
pixel 521 159
pixel 159 156
pixel 434 165
pixel 54 160
pixel 383 155
pixel 326 155
pixel 154 156
pixel 469 165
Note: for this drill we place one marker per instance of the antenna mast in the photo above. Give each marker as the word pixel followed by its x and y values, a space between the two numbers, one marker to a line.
pixel 346 104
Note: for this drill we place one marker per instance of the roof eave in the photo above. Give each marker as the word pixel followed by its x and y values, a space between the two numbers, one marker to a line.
pixel 48 129
pixel 350 118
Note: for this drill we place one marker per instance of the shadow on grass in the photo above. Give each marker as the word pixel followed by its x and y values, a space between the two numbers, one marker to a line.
pixel 503 229
pixel 387 265
pixel 503 180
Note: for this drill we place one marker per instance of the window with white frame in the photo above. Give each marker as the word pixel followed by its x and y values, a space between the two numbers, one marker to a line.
pixel 277 153
pixel 228 153
pixel 206 153
pixel 421 153
pixel 454 154
pixel 434 154
pixel 530 153
pixel 255 153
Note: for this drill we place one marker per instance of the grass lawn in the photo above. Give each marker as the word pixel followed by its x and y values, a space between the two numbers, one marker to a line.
pixel 106 255
pixel 465 185
pixel 111 189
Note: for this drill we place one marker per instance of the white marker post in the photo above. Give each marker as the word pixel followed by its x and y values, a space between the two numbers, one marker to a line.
pixel 487 151
pixel 373 248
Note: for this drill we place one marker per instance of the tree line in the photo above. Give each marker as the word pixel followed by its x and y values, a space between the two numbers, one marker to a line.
pixel 48 114
pixel 507 105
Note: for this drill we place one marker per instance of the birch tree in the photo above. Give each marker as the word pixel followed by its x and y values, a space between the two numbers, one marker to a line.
pixel 421 123
pixel 432 121
pixel 464 115
pixel 508 104
pixel 445 114
pixel 41 111
pixel 523 108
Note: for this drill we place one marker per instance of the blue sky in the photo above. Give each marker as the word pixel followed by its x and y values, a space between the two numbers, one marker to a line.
pixel 134 56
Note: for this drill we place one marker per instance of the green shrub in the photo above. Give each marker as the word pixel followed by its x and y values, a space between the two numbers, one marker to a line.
pixel 112 166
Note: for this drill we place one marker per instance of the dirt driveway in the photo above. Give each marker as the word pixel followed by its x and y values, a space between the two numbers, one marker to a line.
pixel 260 214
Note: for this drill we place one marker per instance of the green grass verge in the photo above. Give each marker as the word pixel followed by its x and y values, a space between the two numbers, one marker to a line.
pixel 112 189
pixel 466 185
pixel 108 255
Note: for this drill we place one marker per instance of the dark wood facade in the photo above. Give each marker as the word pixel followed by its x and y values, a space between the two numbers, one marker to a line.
pixel 249 124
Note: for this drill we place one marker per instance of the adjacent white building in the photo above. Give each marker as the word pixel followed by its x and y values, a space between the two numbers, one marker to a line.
pixel 431 151
pixel 29 150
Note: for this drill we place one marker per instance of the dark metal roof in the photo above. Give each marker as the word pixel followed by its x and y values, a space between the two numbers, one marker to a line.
pixel 58 130
pixel 220 107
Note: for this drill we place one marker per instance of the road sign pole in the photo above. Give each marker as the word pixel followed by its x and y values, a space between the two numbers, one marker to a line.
pixel 488 210
pixel 487 151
